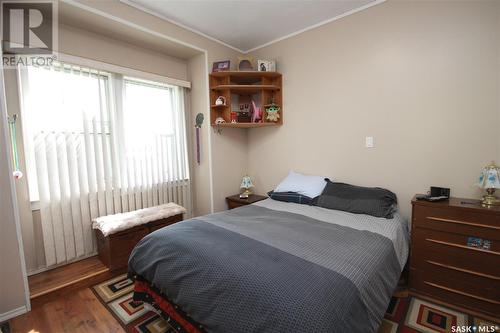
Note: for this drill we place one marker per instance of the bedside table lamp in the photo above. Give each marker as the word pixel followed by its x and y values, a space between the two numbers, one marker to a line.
pixel 490 181
pixel 246 183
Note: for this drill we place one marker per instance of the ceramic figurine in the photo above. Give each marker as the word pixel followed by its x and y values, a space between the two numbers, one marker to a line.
pixel 219 120
pixel 221 100
pixel 256 114
pixel 273 113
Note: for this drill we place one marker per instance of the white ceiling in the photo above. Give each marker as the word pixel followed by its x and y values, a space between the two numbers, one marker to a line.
pixel 247 25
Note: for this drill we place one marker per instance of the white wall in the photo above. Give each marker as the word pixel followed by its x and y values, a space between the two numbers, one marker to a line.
pixel 419 76
pixel 12 282
pixel 85 44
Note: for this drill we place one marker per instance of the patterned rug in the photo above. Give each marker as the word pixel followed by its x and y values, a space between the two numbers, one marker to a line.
pixel 414 315
pixel 116 295
pixel 404 315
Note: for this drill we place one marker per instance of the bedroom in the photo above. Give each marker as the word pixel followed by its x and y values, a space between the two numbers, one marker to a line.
pixel 396 95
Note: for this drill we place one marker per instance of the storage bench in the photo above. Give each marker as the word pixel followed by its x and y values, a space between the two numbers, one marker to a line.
pixel 114 246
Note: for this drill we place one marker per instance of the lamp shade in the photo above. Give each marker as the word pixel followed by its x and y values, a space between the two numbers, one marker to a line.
pixel 489 177
pixel 246 182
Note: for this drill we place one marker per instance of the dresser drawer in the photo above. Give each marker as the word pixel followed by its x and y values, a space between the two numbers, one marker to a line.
pixel 452 291
pixel 465 223
pixel 451 249
pixel 455 277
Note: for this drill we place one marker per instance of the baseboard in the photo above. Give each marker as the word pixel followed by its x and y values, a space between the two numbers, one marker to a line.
pixel 13 313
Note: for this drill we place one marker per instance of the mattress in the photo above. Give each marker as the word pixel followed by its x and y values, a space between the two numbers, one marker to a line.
pixel 273 267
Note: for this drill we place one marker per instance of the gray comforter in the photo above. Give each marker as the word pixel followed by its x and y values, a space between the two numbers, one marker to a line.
pixel 271 268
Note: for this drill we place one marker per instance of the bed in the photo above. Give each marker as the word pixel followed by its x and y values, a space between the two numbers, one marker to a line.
pixel 272 267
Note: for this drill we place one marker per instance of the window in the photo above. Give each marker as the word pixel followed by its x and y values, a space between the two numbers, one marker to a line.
pixel 124 135
pixel 99 143
pixel 61 99
pixel 67 99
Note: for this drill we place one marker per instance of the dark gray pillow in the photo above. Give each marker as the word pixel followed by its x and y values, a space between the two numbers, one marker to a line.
pixel 373 201
pixel 290 197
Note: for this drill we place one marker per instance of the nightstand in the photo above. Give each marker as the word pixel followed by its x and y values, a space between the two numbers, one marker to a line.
pixel 455 254
pixel 234 200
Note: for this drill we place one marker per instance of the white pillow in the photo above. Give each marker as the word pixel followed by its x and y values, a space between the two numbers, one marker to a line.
pixel 312 186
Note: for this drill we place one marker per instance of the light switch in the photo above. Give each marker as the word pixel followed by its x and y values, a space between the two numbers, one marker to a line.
pixel 369 142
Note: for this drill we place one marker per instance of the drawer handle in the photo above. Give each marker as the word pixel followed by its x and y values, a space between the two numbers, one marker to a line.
pixel 492 277
pixel 462 246
pixel 462 293
pixel 464 223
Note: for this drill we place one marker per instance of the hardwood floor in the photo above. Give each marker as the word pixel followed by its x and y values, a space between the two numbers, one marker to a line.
pixel 47 282
pixel 53 284
pixel 79 311
pixel 62 301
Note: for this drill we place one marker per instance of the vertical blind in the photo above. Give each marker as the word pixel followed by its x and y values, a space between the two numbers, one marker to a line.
pixel 99 143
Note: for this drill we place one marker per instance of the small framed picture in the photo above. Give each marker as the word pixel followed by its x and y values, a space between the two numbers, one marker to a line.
pixel 266 65
pixel 221 66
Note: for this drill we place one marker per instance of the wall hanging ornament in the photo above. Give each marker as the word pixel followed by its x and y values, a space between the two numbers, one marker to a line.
pixel 15 157
pixel 199 122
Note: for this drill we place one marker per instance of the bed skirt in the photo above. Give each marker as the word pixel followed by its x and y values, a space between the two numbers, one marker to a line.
pixel 178 319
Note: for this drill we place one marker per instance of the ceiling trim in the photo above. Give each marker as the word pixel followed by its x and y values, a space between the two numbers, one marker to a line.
pixel 319 24
pixel 160 16
pixel 316 25
pixel 132 24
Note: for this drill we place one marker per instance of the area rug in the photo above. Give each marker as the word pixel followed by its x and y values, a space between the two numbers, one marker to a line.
pixel 404 315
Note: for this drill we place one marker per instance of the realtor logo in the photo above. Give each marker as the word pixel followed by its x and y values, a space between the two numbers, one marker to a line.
pixel 28 27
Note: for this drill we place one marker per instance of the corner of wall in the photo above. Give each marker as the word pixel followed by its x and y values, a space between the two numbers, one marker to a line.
pixel 14 287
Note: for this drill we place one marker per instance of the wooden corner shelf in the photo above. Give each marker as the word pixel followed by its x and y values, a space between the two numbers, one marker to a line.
pixel 246 87
pixel 245 74
pixel 245 125
pixel 241 88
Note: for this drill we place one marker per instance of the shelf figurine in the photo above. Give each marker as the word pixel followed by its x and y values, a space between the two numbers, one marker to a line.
pixel 273 113
pixel 256 113
pixel 219 120
pixel 221 100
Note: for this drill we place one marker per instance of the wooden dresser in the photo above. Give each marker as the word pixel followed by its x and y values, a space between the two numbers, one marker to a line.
pixel 445 266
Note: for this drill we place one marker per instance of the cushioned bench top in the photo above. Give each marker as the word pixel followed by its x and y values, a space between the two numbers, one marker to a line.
pixel 111 224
